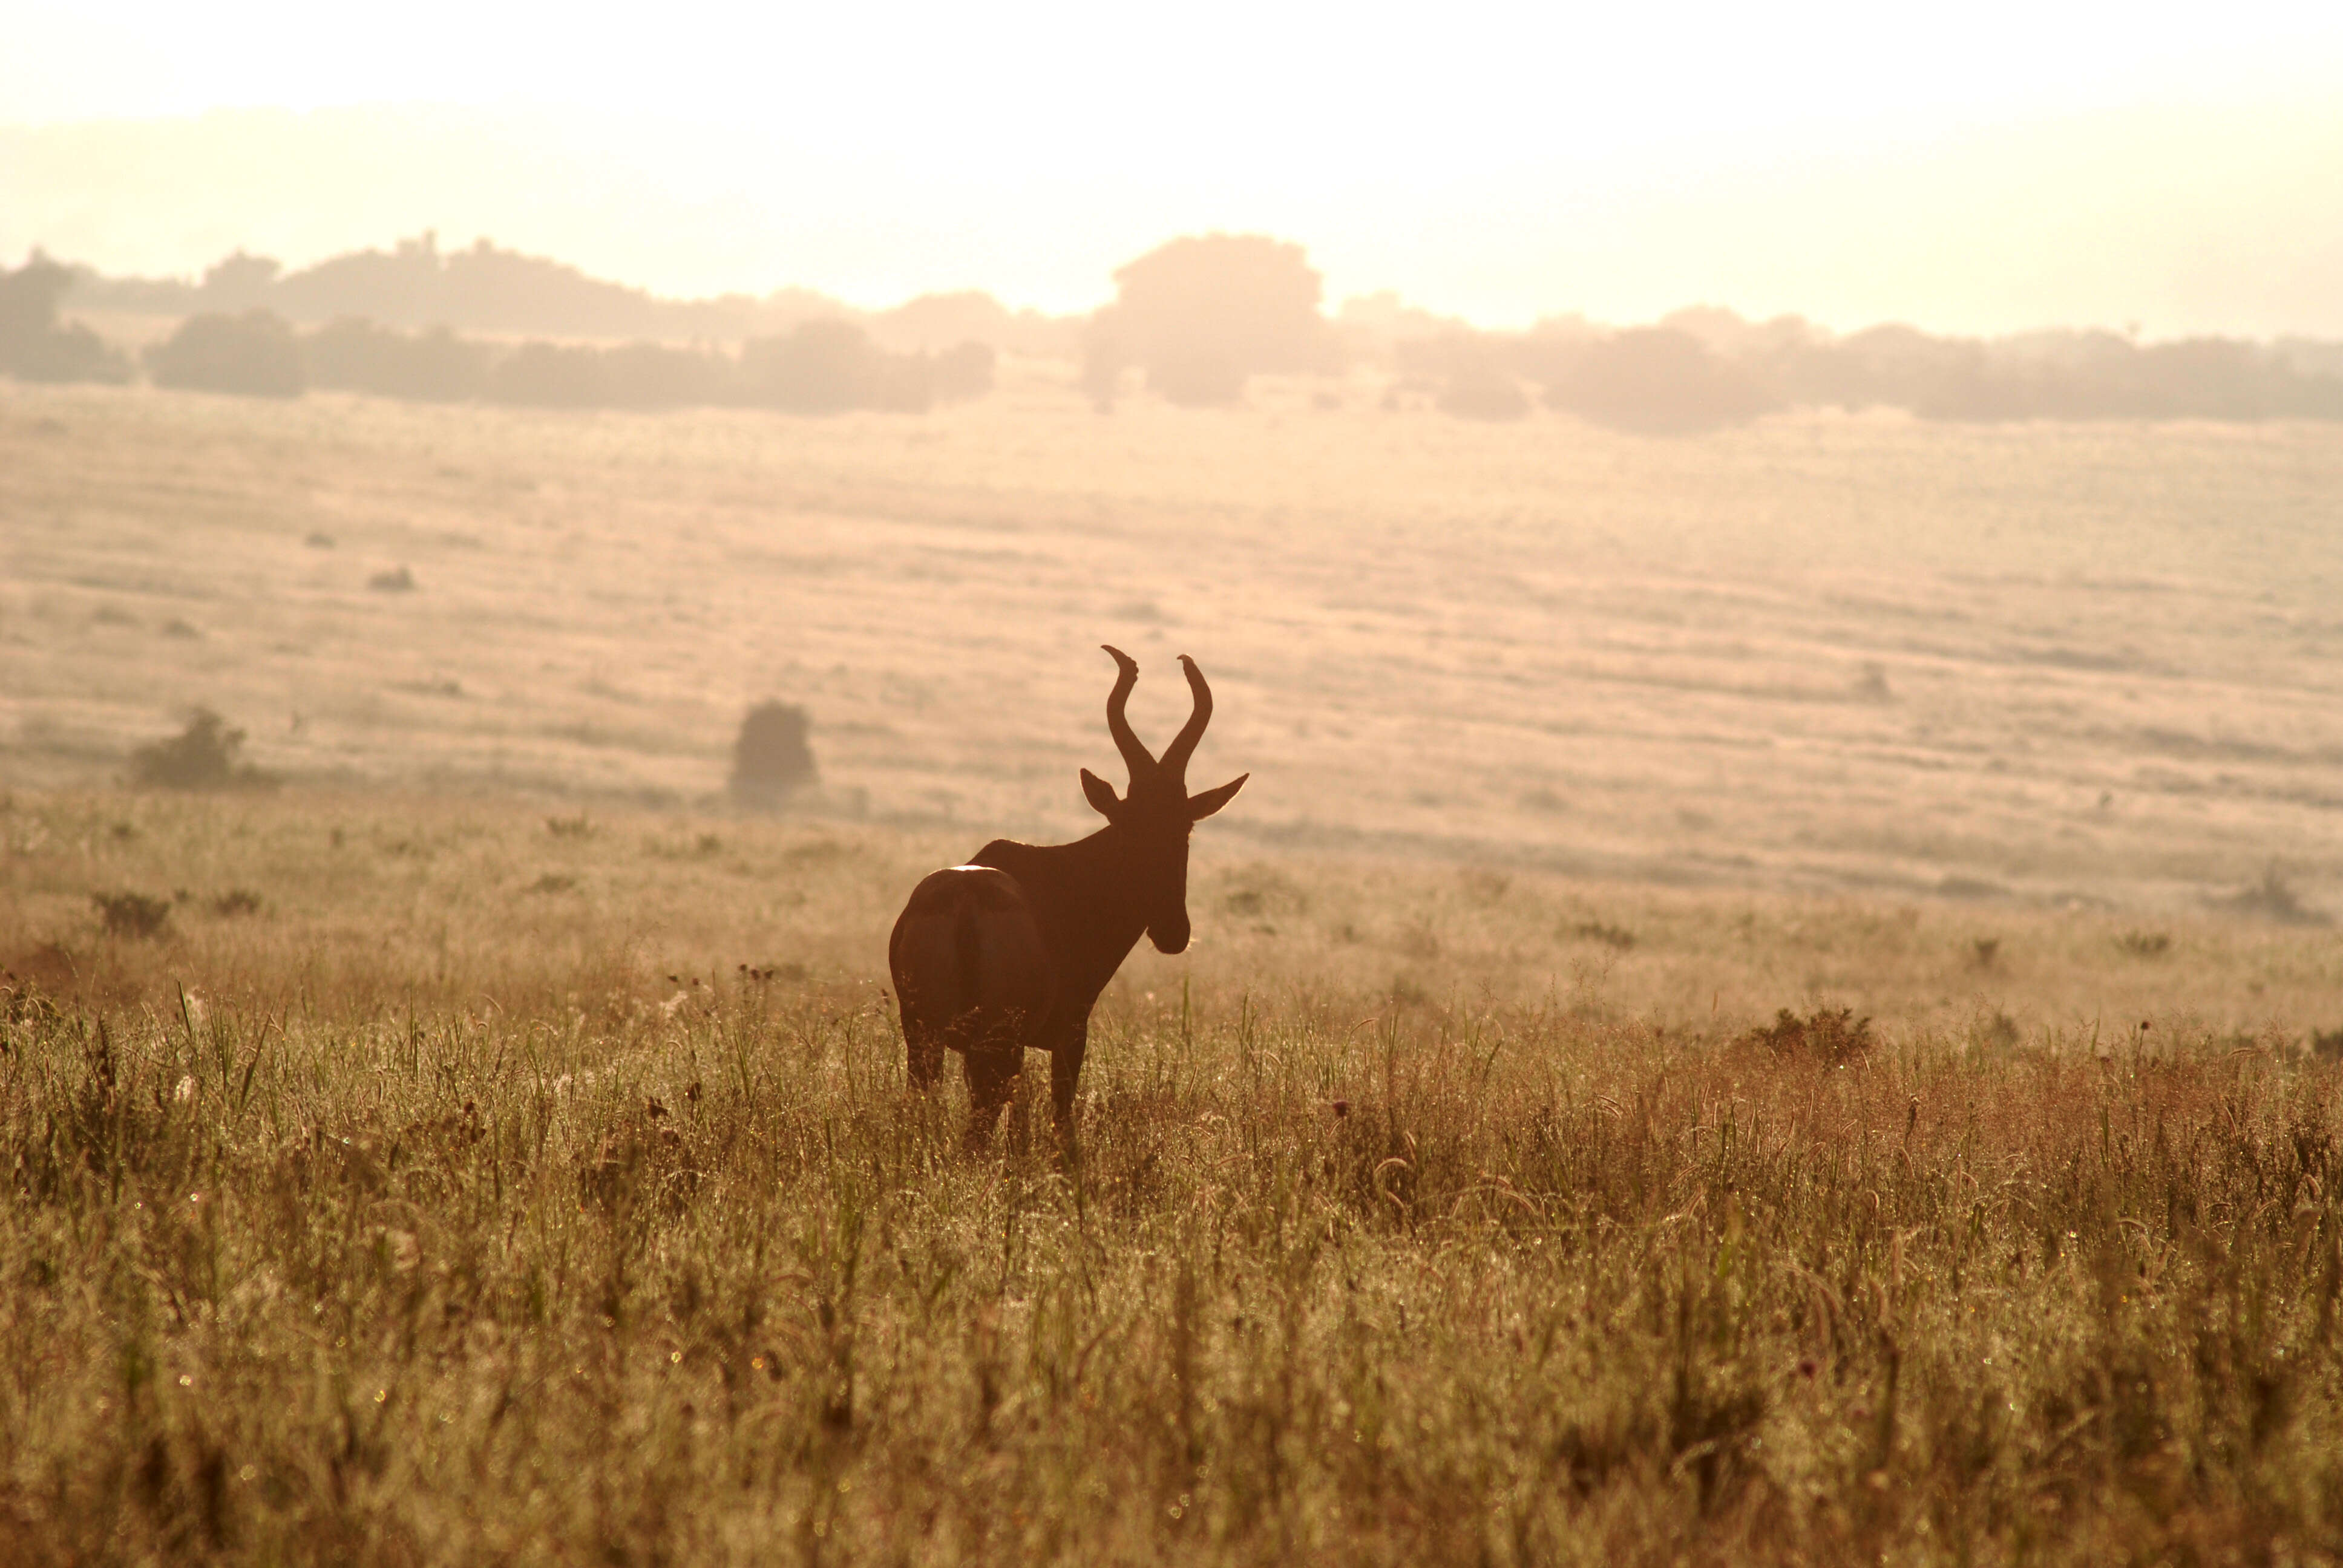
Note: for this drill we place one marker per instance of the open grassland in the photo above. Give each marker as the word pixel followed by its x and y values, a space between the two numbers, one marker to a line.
pixel 456 1183
pixel 2093 663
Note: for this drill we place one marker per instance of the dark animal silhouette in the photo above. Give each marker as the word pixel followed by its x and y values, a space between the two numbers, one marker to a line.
pixel 1011 950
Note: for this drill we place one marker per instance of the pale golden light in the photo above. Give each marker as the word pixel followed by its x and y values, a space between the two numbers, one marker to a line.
pixel 2001 167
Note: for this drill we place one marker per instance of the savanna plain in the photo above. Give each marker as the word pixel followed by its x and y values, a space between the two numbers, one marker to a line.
pixel 1770 998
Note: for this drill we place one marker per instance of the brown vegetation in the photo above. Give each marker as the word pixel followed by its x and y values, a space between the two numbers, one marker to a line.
pixel 202 756
pixel 409 1222
pixel 396 1180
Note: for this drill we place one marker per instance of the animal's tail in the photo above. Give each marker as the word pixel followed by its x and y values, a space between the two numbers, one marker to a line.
pixel 967 958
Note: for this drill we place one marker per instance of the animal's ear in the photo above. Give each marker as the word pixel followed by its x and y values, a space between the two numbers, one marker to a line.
pixel 1101 795
pixel 1203 805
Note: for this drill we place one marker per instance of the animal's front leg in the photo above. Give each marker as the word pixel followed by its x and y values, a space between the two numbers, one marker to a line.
pixel 1066 1071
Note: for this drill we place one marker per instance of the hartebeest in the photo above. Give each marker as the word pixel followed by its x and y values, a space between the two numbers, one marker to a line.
pixel 1009 951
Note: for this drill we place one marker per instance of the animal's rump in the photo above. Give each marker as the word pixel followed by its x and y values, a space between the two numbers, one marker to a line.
pixel 967 959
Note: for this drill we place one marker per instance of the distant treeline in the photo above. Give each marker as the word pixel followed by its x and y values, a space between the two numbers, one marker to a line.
pixel 35 346
pixel 1707 368
pixel 820 367
pixel 483 288
pixel 1193 321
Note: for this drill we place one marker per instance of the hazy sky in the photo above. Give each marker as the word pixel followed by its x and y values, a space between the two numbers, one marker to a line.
pixel 1982 168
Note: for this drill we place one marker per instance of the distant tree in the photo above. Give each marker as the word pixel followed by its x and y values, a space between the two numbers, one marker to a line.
pixel 253 355
pixel 486 288
pixel 1658 381
pixel 654 376
pixel 773 755
pixel 480 287
pixel 34 345
pixel 1202 376
pixel 935 322
pixel 1381 320
pixel 540 375
pixel 434 367
pixel 1891 365
pixel 2102 376
pixel 28 300
pixel 415 285
pixel 1202 313
pixel 399 288
pixel 1474 375
pixel 2311 359
pixel 240 282
pixel 172 297
pixel 2220 379
pixel 828 367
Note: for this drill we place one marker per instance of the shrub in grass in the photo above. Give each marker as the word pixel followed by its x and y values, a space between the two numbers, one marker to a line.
pixel 773 755
pixel 202 756
pixel 2273 898
pixel 1828 1035
pixel 132 914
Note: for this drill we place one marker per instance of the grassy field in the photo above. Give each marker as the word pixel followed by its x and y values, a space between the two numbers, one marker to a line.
pixel 1769 1000
pixel 464 1182
pixel 1841 654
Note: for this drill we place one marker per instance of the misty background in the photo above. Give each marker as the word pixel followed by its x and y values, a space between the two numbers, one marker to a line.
pixel 1195 318
pixel 2012 169
pixel 1820 449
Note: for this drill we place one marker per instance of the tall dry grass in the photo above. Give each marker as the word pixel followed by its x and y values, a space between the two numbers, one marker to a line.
pixel 417 1215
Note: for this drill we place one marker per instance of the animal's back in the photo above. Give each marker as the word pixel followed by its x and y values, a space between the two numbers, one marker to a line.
pixel 969 962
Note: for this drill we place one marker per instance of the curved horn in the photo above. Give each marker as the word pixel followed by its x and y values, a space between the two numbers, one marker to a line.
pixel 1134 756
pixel 1184 745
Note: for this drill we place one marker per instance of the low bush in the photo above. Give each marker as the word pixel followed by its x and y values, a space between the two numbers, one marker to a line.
pixel 1833 1036
pixel 132 914
pixel 202 756
pixel 253 355
pixel 773 754
pixel 2273 898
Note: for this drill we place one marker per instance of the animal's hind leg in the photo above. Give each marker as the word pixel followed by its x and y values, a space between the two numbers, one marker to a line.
pixel 992 1074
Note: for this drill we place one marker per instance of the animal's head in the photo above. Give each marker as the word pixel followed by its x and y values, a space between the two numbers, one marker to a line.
pixel 1157 812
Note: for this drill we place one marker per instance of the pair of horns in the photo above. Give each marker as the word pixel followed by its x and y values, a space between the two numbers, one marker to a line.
pixel 1174 764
